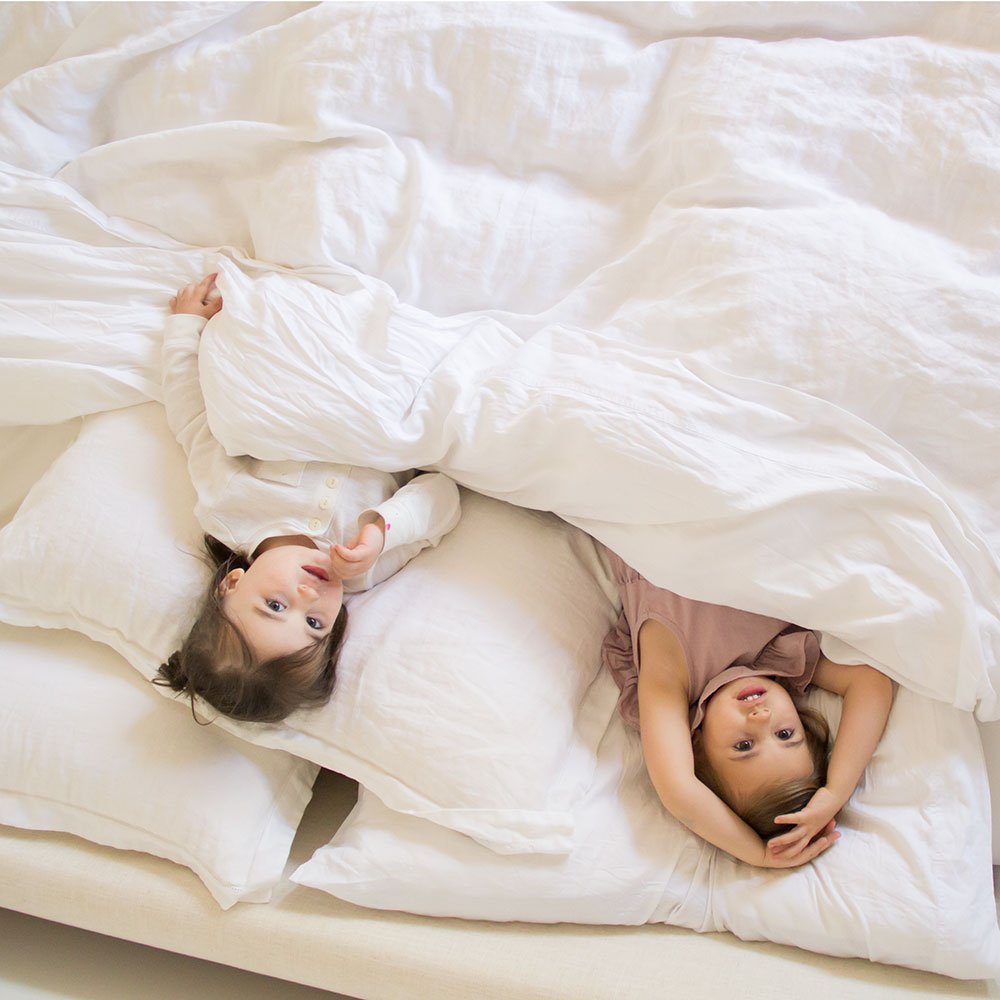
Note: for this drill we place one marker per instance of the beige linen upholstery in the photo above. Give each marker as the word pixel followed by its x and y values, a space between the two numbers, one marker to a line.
pixel 309 937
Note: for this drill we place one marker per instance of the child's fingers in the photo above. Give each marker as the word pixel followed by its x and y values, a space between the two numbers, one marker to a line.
pixel 822 843
pixel 789 835
pixel 810 852
pixel 342 561
pixel 352 552
pixel 789 848
pixel 795 817
pixel 817 847
pixel 348 563
pixel 790 844
pixel 802 818
pixel 786 841
pixel 195 299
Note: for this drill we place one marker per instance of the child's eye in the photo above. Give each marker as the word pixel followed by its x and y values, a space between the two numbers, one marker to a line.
pixel 314 622
pixel 785 734
pixel 276 606
pixel 743 746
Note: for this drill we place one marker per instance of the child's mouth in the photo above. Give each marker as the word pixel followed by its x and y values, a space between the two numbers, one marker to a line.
pixel 317 572
pixel 751 693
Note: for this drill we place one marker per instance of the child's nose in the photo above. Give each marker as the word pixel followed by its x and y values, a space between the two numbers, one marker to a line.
pixel 760 712
pixel 306 591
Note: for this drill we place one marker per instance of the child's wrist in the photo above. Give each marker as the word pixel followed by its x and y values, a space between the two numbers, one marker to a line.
pixel 837 795
pixel 372 517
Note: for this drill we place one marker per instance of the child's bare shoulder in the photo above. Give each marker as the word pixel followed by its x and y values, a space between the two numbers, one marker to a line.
pixel 661 658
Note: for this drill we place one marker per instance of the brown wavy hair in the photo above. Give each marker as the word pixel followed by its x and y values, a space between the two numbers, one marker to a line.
pixel 759 811
pixel 216 663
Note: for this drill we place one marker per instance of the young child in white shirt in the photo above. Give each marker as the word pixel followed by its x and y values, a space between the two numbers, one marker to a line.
pixel 286 540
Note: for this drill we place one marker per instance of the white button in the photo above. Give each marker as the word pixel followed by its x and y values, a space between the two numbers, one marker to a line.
pixel 324 503
pixel 314 524
pixel 331 482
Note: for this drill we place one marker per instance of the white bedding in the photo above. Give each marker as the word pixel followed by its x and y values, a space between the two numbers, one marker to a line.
pixel 492 635
pixel 492 718
pixel 727 304
pixel 715 283
pixel 883 894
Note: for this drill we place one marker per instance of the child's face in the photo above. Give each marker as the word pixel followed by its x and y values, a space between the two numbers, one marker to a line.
pixel 753 737
pixel 285 601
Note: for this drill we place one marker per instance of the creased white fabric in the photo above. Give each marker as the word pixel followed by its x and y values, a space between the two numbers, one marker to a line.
pixel 716 283
pixel 884 891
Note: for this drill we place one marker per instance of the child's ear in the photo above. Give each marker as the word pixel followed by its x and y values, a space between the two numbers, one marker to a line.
pixel 229 582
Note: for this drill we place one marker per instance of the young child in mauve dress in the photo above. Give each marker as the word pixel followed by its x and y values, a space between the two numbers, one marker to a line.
pixel 731 755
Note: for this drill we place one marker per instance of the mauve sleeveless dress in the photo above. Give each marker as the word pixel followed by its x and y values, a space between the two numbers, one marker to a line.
pixel 720 643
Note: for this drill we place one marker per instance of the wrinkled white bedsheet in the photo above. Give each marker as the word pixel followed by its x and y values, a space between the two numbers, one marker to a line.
pixel 718 284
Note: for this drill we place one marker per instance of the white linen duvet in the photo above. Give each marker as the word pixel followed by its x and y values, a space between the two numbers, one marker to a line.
pixel 714 284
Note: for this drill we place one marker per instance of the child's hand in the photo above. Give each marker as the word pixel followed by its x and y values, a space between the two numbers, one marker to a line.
pixel 807 851
pixel 359 555
pixel 200 299
pixel 816 817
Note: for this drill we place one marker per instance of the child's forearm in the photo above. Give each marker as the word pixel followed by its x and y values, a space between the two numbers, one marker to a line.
pixel 182 394
pixel 666 746
pixel 862 721
pixel 210 467
pixel 704 813
pixel 422 511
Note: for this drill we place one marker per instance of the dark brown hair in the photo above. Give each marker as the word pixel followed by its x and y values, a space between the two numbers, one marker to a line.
pixel 217 664
pixel 759 811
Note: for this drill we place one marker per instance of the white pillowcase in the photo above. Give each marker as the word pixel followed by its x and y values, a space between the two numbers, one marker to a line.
pixel 85 749
pixel 465 689
pixel 909 882
pixel 989 732
pixel 105 541
pixel 25 453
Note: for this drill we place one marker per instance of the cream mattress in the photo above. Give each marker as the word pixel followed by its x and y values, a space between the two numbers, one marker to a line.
pixel 311 938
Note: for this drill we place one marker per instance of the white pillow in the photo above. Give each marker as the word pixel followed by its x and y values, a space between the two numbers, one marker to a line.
pixel 105 541
pixel 25 453
pixel 86 749
pixel 989 732
pixel 465 689
pixel 909 882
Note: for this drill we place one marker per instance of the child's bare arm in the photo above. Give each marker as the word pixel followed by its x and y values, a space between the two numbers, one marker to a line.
pixel 867 695
pixel 666 744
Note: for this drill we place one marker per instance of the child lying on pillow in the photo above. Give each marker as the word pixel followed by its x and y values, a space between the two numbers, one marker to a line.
pixel 286 540
pixel 728 751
